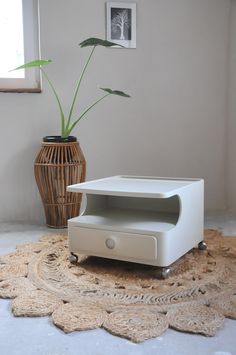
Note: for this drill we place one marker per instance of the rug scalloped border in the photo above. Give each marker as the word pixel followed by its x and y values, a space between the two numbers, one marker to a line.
pixel 126 299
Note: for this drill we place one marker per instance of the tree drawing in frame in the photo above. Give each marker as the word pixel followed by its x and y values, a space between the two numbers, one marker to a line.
pixel 120 23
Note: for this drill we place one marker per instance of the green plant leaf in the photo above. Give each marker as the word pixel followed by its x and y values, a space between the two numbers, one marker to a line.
pixel 115 92
pixel 97 42
pixel 33 64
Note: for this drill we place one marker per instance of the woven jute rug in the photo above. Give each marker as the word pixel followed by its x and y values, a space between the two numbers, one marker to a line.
pixel 126 299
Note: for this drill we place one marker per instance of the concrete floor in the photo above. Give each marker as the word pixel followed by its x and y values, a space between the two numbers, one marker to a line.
pixel 37 336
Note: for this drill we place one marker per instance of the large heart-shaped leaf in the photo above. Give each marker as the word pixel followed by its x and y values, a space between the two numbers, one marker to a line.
pixel 97 42
pixel 115 92
pixel 34 63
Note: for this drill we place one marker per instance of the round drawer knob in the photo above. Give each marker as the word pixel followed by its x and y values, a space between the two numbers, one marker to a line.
pixel 110 243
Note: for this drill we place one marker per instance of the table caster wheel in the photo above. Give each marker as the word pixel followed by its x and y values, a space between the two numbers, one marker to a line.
pixel 202 245
pixel 73 258
pixel 165 272
pixel 162 272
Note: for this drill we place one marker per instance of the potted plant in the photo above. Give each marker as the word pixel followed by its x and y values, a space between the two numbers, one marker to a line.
pixel 60 161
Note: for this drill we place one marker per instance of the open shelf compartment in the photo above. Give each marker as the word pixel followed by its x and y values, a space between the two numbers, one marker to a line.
pixel 130 213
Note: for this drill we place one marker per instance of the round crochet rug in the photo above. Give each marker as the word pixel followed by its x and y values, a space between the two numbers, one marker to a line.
pixel 126 299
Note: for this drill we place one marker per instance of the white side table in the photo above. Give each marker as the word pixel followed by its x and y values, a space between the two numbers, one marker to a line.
pixel 149 220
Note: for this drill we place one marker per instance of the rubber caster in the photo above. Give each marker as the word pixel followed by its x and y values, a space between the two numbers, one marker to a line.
pixel 202 245
pixel 73 258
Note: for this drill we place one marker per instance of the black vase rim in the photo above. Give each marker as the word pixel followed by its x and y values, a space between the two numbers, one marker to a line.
pixel 59 139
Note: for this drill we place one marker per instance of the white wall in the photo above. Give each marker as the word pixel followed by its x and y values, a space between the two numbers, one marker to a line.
pixel 174 125
pixel 231 146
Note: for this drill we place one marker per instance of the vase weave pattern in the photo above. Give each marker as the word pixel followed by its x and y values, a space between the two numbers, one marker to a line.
pixel 56 166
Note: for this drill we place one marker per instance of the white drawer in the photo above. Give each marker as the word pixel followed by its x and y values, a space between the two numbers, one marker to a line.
pixel 110 243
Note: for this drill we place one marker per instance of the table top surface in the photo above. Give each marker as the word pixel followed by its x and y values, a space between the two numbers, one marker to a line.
pixel 140 186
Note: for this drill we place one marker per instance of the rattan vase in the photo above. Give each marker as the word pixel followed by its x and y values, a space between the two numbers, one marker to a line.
pixel 59 163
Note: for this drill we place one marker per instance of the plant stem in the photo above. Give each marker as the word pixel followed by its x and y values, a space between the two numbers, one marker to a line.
pixel 63 131
pixel 69 129
pixel 77 88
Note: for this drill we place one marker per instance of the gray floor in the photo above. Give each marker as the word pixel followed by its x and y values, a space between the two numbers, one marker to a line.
pixel 31 336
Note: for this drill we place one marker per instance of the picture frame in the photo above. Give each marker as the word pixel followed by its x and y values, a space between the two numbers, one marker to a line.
pixel 121 23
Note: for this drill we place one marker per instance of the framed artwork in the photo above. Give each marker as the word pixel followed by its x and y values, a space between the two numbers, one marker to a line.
pixel 121 23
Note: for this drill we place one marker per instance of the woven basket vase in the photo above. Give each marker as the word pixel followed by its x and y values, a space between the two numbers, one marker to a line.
pixel 59 163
